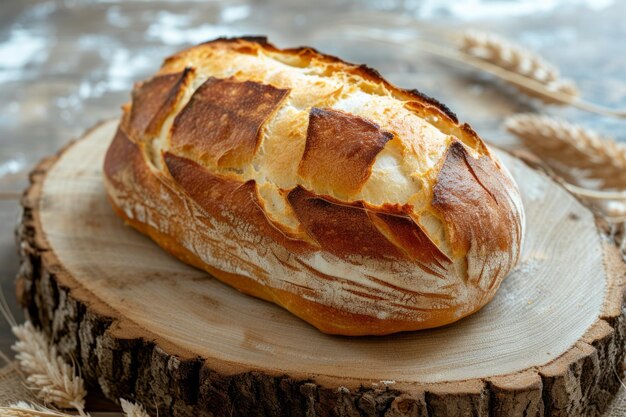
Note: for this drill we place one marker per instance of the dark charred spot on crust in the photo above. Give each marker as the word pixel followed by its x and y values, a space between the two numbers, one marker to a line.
pixel 463 133
pixel 222 121
pixel 153 101
pixel 344 230
pixel 340 150
pixel 234 202
pixel 310 53
pixel 368 73
pixel 477 141
pixel 243 48
pixel 423 110
pixel 428 99
pixel 260 39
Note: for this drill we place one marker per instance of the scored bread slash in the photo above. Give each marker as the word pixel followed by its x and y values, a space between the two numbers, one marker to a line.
pixel 358 206
pixel 342 166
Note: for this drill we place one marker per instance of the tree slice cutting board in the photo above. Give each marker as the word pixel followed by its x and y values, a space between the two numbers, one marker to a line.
pixel 145 326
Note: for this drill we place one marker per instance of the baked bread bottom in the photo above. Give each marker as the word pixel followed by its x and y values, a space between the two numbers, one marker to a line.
pixel 326 319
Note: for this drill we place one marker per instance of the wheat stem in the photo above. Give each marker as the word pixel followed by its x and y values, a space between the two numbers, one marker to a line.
pixel 595 194
pixel 24 409
pixel 5 310
pixel 616 219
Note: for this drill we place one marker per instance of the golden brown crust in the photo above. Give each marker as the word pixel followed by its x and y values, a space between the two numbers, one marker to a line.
pixel 306 54
pixel 153 100
pixel 121 155
pixel 341 229
pixel 315 184
pixel 232 202
pixel 124 159
pixel 343 165
pixel 473 197
pixel 402 231
pixel 221 123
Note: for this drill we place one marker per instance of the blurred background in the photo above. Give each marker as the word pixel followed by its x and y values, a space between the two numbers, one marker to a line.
pixel 65 65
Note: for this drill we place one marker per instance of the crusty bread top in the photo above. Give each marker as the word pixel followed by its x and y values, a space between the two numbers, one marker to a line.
pixel 331 156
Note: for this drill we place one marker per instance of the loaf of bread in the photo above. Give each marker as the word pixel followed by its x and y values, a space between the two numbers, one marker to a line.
pixel 293 176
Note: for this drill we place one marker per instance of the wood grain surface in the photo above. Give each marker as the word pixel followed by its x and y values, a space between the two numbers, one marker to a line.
pixel 142 323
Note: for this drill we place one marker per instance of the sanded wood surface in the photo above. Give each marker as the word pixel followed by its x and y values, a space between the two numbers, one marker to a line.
pixel 143 325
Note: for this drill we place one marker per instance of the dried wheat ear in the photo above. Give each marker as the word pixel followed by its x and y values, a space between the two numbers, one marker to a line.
pixel 133 409
pixel 577 154
pixel 53 380
pixel 593 167
pixel 24 409
pixel 517 59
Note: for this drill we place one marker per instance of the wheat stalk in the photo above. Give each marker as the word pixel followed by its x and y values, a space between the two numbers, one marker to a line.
pixel 54 381
pixel 512 57
pixel 575 153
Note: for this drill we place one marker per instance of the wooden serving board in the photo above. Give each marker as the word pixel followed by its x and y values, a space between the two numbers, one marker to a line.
pixel 145 326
